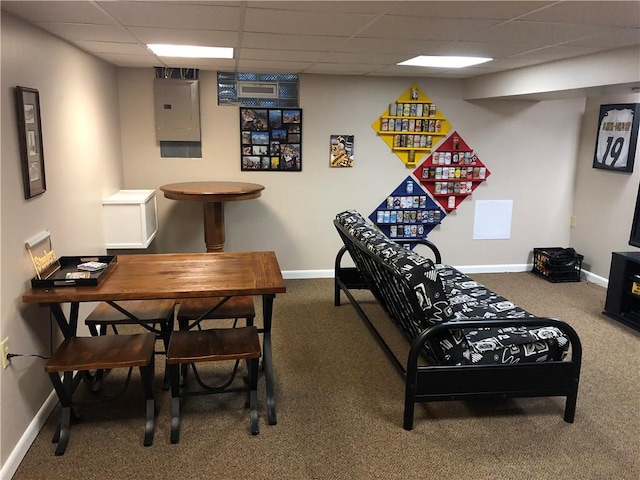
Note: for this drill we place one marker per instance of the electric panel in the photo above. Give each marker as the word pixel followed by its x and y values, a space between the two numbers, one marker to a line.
pixel 177 110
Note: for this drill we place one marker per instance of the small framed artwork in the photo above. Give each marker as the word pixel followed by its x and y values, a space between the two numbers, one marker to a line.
pixel 617 137
pixel 271 139
pixel 341 151
pixel 30 131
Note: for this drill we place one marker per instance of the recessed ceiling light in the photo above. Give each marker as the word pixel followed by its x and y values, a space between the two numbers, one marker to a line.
pixel 444 61
pixel 190 51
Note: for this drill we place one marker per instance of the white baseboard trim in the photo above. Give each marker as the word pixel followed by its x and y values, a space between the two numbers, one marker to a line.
pixel 30 434
pixel 515 267
pixel 598 280
pixel 302 274
pixel 495 268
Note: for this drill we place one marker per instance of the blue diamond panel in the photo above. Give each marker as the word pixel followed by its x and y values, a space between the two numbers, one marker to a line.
pixel 408 213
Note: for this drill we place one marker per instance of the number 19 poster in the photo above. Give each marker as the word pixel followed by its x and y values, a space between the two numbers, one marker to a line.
pixel 617 137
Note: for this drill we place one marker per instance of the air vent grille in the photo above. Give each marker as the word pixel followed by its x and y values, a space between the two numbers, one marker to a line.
pixel 263 90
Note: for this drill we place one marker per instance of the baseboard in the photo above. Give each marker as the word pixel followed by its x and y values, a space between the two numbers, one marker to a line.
pixel 515 267
pixel 598 280
pixel 30 434
pixel 302 274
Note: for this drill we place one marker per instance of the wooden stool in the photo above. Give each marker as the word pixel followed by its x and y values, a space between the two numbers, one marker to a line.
pixel 146 311
pixel 191 310
pixel 102 352
pixel 218 344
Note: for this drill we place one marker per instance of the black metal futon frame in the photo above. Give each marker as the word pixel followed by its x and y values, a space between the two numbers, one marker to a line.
pixel 427 377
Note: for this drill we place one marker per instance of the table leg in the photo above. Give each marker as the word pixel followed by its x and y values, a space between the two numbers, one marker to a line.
pixel 267 310
pixel 214 226
pixel 68 327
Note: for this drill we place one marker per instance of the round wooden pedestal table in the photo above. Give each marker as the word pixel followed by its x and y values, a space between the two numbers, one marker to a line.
pixel 212 195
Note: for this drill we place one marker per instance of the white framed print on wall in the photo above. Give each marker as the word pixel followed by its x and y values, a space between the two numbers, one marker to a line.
pixel 617 137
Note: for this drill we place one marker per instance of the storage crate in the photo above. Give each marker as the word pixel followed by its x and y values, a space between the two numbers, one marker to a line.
pixel 557 264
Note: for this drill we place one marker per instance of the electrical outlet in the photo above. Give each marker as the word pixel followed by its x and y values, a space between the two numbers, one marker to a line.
pixel 4 351
pixel 573 221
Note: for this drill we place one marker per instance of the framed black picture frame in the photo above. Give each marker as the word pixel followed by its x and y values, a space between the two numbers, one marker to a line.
pixel 271 139
pixel 30 133
pixel 617 137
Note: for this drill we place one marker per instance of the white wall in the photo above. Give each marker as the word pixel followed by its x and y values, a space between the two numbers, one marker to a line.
pixel 604 201
pixel 83 162
pixel 530 148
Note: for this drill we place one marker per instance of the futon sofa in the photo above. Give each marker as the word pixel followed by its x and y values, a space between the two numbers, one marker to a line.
pixel 465 340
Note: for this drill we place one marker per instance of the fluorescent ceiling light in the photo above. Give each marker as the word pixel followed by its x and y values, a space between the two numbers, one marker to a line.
pixel 444 62
pixel 190 51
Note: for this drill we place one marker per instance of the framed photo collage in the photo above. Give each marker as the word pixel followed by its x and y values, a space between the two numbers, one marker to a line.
pixel 271 139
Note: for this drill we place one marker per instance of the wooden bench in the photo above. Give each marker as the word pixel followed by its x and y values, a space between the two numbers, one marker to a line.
pixel 153 315
pixel 100 353
pixel 195 310
pixel 213 345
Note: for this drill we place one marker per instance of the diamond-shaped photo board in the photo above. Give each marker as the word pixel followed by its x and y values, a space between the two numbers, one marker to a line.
pixel 452 172
pixel 412 126
pixel 408 213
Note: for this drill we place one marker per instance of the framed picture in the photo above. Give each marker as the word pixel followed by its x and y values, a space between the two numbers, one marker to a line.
pixel 271 139
pixel 617 137
pixel 341 151
pixel 30 131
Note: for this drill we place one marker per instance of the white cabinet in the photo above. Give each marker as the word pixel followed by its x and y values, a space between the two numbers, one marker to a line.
pixel 130 219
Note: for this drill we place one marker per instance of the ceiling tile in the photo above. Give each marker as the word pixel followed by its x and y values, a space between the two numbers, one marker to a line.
pixel 66 12
pixel 499 10
pixel 534 33
pixel 557 52
pixel 479 49
pixel 415 28
pixel 609 13
pixel 291 42
pixel 370 7
pixel 174 15
pixel 342 69
pixel 271 66
pixel 211 38
pixel 611 38
pixel 363 58
pixel 99 33
pixel 123 60
pixel 112 47
pixel 382 46
pixel 304 23
pixel 279 55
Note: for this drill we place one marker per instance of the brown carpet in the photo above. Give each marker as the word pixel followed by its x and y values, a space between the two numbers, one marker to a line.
pixel 340 407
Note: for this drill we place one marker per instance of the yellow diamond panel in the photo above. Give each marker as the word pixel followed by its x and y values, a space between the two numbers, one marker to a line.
pixel 412 126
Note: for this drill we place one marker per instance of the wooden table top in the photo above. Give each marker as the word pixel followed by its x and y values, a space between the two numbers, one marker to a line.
pixel 176 275
pixel 212 191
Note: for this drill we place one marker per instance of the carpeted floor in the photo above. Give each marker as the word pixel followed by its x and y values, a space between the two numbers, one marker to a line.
pixel 340 407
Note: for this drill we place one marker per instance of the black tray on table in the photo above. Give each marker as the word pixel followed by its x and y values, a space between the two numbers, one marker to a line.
pixel 57 277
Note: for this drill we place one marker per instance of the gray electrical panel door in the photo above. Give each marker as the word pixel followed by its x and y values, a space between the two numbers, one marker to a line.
pixel 177 110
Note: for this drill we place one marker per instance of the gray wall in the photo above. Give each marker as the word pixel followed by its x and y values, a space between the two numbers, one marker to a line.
pixel 604 201
pixel 82 151
pixel 530 148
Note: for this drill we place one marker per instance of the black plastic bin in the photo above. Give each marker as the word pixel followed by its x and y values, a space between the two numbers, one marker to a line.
pixel 557 264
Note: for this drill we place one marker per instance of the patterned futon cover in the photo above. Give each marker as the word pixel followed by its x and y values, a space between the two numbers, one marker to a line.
pixel 446 294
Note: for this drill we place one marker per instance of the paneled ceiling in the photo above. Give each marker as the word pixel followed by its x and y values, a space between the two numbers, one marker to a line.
pixel 340 37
